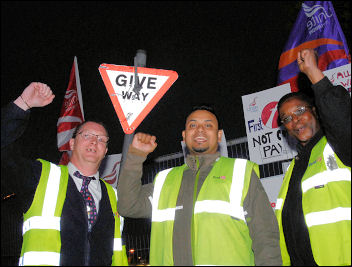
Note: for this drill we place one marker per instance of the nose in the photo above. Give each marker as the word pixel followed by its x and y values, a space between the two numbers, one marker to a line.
pixel 200 128
pixel 295 118
pixel 94 139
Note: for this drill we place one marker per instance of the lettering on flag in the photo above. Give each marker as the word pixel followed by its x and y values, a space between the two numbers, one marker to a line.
pixel 71 114
pixel 134 96
pixel 316 27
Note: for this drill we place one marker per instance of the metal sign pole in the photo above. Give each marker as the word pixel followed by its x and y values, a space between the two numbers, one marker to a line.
pixel 139 61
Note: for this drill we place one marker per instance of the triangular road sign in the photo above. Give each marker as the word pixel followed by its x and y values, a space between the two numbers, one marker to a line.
pixel 133 103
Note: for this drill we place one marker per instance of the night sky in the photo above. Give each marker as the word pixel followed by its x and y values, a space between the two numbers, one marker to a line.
pixel 220 50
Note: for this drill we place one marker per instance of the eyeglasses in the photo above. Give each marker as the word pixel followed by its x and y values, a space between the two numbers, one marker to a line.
pixel 88 136
pixel 300 110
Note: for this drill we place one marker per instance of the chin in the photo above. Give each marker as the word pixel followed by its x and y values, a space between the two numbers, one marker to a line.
pixel 199 150
pixel 304 138
pixel 304 141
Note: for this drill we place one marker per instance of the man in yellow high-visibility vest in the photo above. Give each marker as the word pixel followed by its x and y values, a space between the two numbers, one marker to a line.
pixel 314 204
pixel 70 215
pixel 212 210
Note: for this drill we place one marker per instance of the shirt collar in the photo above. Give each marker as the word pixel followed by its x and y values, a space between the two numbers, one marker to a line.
pixel 72 168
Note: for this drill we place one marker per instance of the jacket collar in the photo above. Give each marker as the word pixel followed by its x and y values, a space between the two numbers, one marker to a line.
pixel 312 142
pixel 196 162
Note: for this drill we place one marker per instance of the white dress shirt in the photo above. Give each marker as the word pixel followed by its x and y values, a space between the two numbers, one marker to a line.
pixel 93 187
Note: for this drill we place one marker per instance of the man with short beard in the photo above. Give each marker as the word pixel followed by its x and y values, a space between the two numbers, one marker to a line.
pixel 212 210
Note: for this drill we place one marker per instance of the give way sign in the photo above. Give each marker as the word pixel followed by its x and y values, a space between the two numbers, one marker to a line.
pixel 133 101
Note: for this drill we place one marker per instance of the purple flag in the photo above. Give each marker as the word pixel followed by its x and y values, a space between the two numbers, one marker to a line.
pixel 316 27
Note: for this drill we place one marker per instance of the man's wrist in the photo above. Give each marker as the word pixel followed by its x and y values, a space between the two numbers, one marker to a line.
pixel 136 151
pixel 25 102
pixel 315 76
pixel 21 103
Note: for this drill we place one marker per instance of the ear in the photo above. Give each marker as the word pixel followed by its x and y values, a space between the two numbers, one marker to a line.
pixel 72 143
pixel 219 135
pixel 183 136
pixel 315 113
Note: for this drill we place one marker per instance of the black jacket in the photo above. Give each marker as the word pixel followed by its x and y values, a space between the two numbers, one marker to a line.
pixel 78 246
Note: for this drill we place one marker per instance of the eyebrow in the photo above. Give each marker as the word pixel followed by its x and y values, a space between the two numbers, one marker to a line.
pixel 195 120
pixel 198 120
pixel 94 133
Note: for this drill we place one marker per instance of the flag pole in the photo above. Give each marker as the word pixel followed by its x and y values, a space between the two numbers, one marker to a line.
pixel 78 86
pixel 139 61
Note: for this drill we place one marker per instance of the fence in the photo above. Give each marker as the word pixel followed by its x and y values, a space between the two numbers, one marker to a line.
pixel 136 234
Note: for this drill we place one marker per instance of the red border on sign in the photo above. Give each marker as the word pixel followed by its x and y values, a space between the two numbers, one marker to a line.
pixel 129 129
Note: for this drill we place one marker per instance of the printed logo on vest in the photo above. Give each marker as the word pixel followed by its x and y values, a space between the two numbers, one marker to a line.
pixel 331 163
pixel 315 161
pixel 220 177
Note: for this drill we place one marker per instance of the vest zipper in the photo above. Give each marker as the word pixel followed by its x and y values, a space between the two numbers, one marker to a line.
pixel 194 201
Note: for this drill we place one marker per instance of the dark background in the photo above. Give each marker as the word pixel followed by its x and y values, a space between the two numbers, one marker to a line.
pixel 220 50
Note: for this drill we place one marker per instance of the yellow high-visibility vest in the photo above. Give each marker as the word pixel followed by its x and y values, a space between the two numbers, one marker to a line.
pixel 41 226
pixel 220 235
pixel 326 203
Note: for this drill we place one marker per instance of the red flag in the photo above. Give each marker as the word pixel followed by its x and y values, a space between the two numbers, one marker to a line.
pixel 71 113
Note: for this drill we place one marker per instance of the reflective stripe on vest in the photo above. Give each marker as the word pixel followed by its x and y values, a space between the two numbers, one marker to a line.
pixel 41 222
pixel 117 244
pixel 121 221
pixel 232 208
pixel 118 241
pixel 325 177
pixel 119 257
pixel 279 203
pixel 165 214
pixel 47 221
pixel 322 178
pixel 335 175
pixel 40 258
pixel 52 191
pixel 328 216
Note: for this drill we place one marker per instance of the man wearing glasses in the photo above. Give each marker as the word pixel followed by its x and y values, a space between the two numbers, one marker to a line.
pixel 70 215
pixel 314 204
